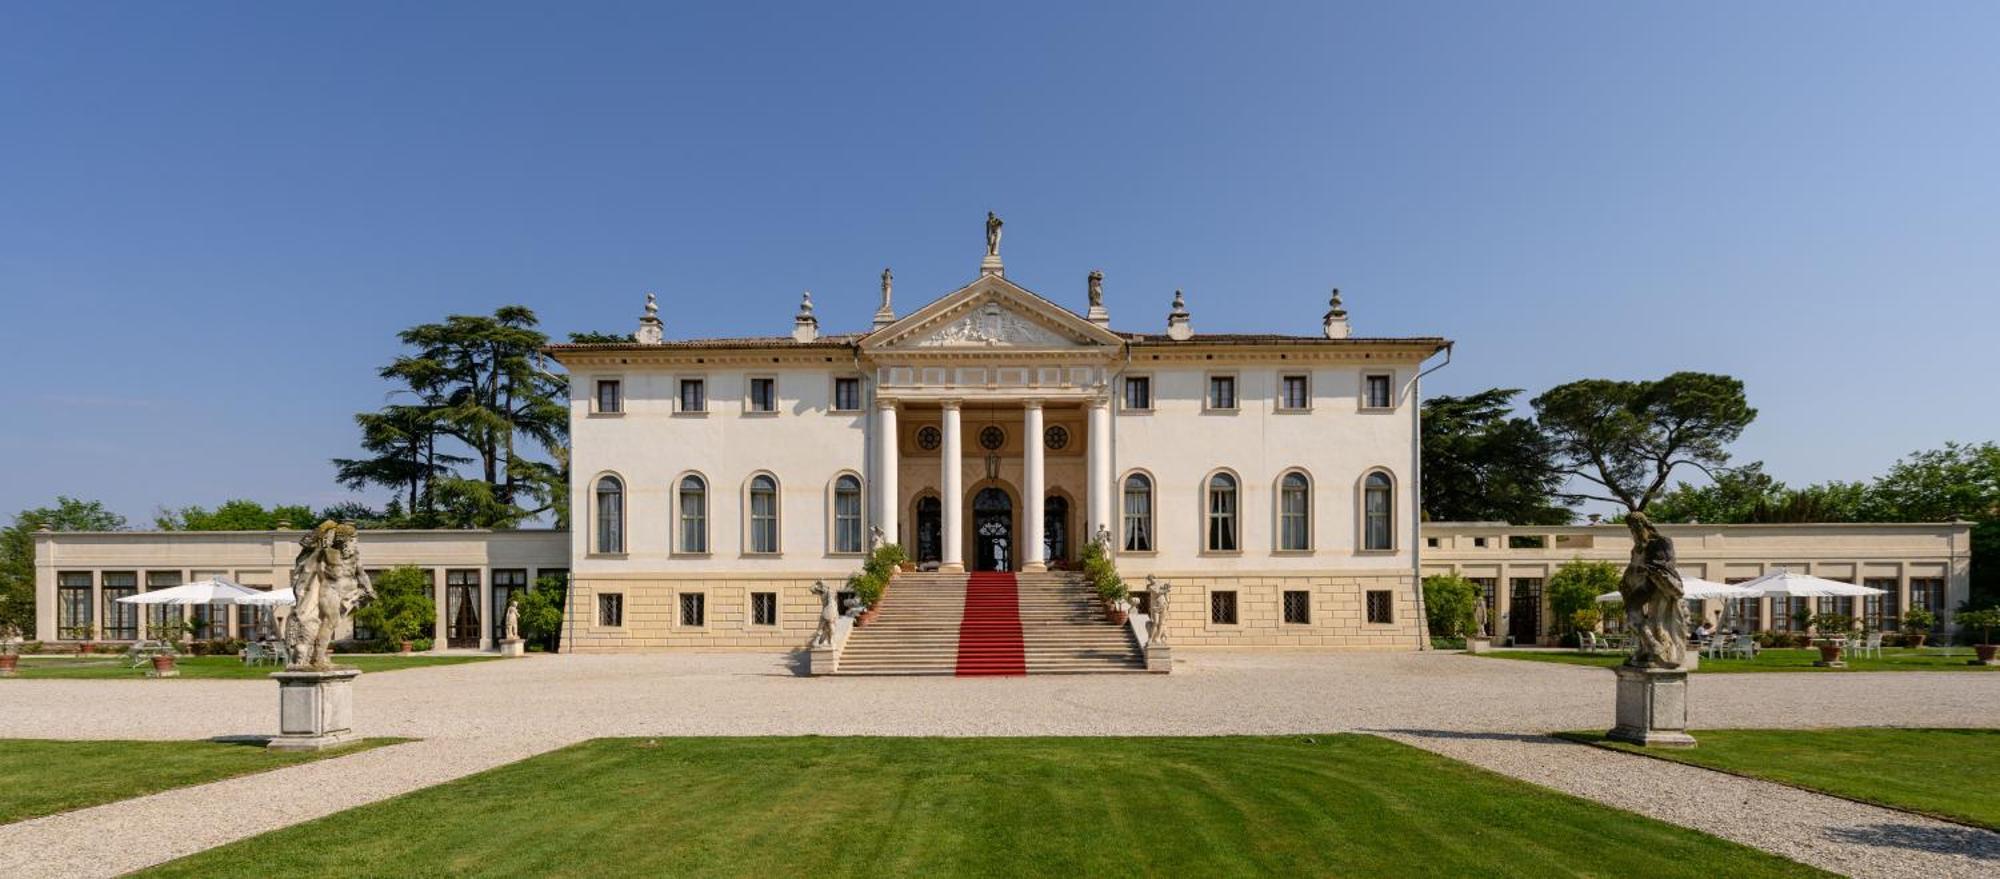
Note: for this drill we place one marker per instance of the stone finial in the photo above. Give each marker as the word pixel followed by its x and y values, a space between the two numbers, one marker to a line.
pixel 45 528
pixel 283 525
pixel 651 330
pixel 885 315
pixel 805 327
pixel 1335 322
pixel 1179 327
pixel 1095 287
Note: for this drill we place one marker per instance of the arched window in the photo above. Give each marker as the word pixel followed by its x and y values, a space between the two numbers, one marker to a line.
pixel 1378 509
pixel 694 514
pixel 763 514
pixel 1138 513
pixel 847 514
pixel 610 515
pixel 1222 519
pixel 1294 512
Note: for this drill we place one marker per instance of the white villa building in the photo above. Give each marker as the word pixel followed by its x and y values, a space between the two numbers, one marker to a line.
pixel 1271 478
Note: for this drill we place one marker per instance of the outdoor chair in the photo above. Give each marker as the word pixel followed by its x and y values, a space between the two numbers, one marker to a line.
pixel 256 654
pixel 1870 647
pixel 1587 642
pixel 1744 647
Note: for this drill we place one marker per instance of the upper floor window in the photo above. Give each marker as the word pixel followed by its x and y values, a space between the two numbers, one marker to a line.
pixel 693 498
pixel 1294 393
pixel 1378 512
pixel 1294 512
pixel 1375 392
pixel 763 395
pixel 847 515
pixel 1138 513
pixel 763 514
pixel 847 395
pixel 610 515
pixel 610 396
pixel 1222 392
pixel 694 395
pixel 1138 393
pixel 1222 518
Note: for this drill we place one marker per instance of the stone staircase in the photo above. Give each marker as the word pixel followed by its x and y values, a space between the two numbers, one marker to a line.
pixel 922 629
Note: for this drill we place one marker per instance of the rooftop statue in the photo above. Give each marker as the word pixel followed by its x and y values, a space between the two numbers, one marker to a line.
pixel 993 225
pixel 1096 289
pixel 328 581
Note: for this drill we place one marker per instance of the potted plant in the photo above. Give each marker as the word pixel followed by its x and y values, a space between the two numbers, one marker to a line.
pixel 1917 625
pixel 1984 622
pixel 169 633
pixel 1103 577
pixel 1828 625
pixel 10 649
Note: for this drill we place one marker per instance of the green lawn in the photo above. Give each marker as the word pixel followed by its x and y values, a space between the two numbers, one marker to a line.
pixel 1780 660
pixel 1948 773
pixel 1346 805
pixel 115 666
pixel 40 777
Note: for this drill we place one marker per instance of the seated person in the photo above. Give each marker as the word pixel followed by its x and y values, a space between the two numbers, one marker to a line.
pixel 1704 631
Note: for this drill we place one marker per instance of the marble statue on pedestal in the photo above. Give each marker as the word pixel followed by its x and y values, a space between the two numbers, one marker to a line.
pixel 511 623
pixel 328 581
pixel 829 613
pixel 1156 610
pixel 1655 607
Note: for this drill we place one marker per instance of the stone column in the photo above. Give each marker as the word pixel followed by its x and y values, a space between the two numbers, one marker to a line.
pixel 485 608
pixel 888 448
pixel 952 493
pixel 1032 490
pixel 437 597
pixel 1098 449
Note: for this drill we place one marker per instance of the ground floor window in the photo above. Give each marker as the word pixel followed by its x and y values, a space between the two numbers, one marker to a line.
pixel 763 608
pixel 1222 608
pixel 461 607
pixel 1927 593
pixel 1380 606
pixel 1524 610
pixel 694 609
pixel 158 614
pixel 121 621
pixel 1878 612
pixel 611 609
pixel 1298 607
pixel 509 586
pixel 73 605
pixel 1788 613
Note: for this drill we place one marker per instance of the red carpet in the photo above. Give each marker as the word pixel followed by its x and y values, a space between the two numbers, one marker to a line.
pixel 989 638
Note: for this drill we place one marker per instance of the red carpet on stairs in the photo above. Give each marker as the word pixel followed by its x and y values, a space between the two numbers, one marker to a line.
pixel 989 638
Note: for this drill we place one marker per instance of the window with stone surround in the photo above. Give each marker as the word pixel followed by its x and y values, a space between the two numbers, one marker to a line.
pixel 763 524
pixel 1222 607
pixel 1294 512
pixel 693 502
pixel 1222 513
pixel 1138 513
pixel 121 621
pixel 1138 393
pixel 610 396
pixel 1295 393
pixel 1378 507
pixel 763 608
pixel 1381 607
pixel 693 396
pixel 764 394
pixel 1221 393
pixel 847 536
pixel 1376 392
pixel 1879 612
pixel 846 394
pixel 610 519
pixel 73 605
pixel 694 609
pixel 611 609
pixel 1298 607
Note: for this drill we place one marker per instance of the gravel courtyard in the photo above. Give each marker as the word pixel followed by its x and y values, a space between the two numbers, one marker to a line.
pixel 476 716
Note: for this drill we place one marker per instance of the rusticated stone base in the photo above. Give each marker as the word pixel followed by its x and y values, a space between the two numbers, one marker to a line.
pixel 1652 708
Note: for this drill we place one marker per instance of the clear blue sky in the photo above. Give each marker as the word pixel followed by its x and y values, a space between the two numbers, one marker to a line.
pixel 214 218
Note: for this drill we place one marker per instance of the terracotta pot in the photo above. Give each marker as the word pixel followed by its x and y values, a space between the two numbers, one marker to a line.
pixel 1829 652
pixel 163 662
pixel 8 662
pixel 1986 651
pixel 1117 617
pixel 408 646
pixel 83 649
pixel 1914 641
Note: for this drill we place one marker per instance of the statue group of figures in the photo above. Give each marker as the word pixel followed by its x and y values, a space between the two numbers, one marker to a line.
pixel 1654 610
pixel 329 583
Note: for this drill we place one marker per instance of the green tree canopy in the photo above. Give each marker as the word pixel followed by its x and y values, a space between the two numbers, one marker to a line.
pixel 233 515
pixel 17 551
pixel 1575 587
pixel 1448 605
pixel 1481 465
pixel 402 609
pixel 1626 438
pixel 1747 494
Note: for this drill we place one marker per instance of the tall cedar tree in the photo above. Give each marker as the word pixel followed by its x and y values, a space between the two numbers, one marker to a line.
pixel 1480 465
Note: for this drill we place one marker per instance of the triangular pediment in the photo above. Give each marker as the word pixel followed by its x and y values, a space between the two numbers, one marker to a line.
pixel 990 313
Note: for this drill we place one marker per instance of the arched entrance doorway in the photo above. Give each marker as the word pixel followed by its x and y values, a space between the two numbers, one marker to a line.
pixel 930 529
pixel 992 530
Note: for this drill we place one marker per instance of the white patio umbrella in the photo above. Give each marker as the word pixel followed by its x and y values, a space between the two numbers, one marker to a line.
pixel 1695 589
pixel 1785 584
pixel 218 590
pixel 273 597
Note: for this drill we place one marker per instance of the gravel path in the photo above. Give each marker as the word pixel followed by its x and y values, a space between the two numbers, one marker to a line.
pixel 1827 832
pixel 480 715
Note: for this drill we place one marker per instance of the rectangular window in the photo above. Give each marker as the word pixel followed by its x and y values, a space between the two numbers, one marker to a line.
pixel 763 608
pixel 1380 607
pixel 1479 542
pixel 1527 541
pixel 73 606
pixel 609 399
pixel 1138 393
pixel 1878 612
pixel 208 621
pixel 157 614
pixel 509 585
pixel 1375 392
pixel 1222 392
pixel 611 609
pixel 763 395
pixel 1222 608
pixel 847 536
pixel 1298 607
pixel 847 395
pixel 121 621
pixel 1294 393
pixel 694 395
pixel 1431 542
pixel 694 609
pixel 1928 593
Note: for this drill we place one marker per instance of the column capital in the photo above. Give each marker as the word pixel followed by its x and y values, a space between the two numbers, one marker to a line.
pixel 1034 403
pixel 950 403
pixel 1096 403
pixel 889 403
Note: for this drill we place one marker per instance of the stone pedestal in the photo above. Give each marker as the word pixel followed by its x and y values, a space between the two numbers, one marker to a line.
pixel 513 647
pixel 1479 645
pixel 825 660
pixel 1652 707
pixel 1159 658
pixel 315 709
